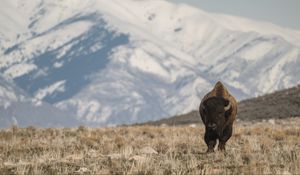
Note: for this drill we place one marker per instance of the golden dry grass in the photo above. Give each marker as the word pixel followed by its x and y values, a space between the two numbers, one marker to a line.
pixel 259 148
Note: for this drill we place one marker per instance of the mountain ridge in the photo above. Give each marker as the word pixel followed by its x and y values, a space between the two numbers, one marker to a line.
pixel 276 105
pixel 117 62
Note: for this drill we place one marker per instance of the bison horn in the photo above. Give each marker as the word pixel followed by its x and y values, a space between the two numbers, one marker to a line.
pixel 226 108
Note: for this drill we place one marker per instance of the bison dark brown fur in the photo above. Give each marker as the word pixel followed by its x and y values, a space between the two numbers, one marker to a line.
pixel 218 111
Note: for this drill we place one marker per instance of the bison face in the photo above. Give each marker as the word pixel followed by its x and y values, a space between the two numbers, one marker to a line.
pixel 216 112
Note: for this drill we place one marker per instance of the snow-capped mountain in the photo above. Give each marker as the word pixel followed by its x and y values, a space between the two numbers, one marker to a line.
pixel 125 61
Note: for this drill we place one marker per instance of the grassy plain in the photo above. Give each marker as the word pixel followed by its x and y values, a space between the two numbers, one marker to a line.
pixel 269 147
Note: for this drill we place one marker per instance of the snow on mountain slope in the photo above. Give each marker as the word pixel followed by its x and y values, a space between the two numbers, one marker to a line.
pixel 8 93
pixel 16 108
pixel 142 82
pixel 113 62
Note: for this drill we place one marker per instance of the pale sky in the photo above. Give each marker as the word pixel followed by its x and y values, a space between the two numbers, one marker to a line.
pixel 284 13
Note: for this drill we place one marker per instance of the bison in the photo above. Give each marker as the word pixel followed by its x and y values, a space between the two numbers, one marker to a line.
pixel 218 111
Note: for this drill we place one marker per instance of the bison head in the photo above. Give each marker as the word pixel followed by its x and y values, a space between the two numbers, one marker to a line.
pixel 216 111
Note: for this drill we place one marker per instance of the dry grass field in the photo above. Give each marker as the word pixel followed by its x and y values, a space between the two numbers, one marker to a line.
pixel 270 147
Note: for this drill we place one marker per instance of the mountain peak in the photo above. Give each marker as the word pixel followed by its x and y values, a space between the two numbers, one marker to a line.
pixel 113 62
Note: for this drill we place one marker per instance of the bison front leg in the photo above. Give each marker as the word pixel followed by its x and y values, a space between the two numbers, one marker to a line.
pixel 210 140
pixel 227 132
